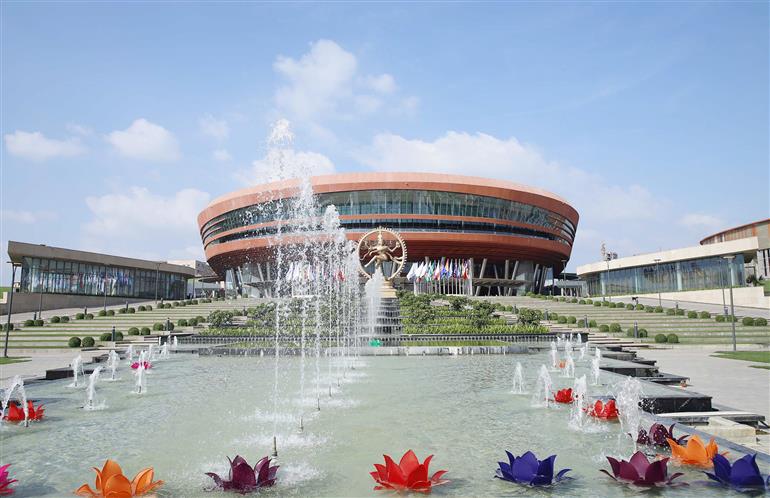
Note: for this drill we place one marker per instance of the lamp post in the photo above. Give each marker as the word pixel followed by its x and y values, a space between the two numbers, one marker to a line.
pixel 607 288
pixel 10 307
pixel 729 260
pixel 657 281
pixel 563 267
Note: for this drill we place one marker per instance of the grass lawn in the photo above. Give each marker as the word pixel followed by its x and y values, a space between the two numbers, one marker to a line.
pixel 13 359
pixel 756 356
pixel 764 367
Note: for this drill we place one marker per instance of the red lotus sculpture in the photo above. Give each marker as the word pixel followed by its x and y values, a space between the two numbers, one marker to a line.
pixel 408 475
pixel 604 411
pixel 147 365
pixel 16 413
pixel 563 396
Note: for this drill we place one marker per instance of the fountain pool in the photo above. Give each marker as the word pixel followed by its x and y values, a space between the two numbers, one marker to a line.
pixel 202 409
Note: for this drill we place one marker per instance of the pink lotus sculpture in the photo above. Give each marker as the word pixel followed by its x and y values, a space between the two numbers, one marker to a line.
pixel 641 472
pixel 6 481
pixel 147 365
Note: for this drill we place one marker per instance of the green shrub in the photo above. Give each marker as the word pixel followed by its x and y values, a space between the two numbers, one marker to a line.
pixel 29 323
pixel 192 322
pixel 55 319
pixel 640 307
pixel 649 309
pixel 642 332
pixel 748 321
pixel 132 310
pixel 167 305
pixel 89 316
pixel 589 301
pixel 106 337
pixel 74 342
pixel 157 326
pixel 606 304
pixel 133 331
pixel 670 311
pixel 760 322
pixel 571 319
pixel 620 304
pixel 79 316
pixel 630 332
pixel 597 303
pixel 7 327
pixel 562 319
pixel 661 338
pixel 692 314
pixel 102 313
pixel 145 331
pixel 581 323
pixel 195 301
pixel 679 312
pixel 719 318
pixel 88 342
pixel 170 326
pixel 704 314
pixel 175 304
pixel 658 309
pixel 118 336
pixel 553 316
pixel 182 322
pixel 110 312
pixel 65 319
pixel 612 305
pixel 615 327
pixel 39 323
pixel 604 328
pixel 141 308
pixel 148 307
pixel 672 338
pixel 629 306
pixel 573 300
pixel 200 319
pixel 582 301
pixel 122 311
pixel 592 324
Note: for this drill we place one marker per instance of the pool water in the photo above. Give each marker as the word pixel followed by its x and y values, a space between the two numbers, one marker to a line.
pixel 198 410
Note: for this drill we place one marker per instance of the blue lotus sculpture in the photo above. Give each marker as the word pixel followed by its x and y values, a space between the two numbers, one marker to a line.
pixel 527 469
pixel 743 475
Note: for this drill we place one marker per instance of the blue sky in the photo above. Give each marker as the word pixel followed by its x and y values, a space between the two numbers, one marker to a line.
pixel 120 121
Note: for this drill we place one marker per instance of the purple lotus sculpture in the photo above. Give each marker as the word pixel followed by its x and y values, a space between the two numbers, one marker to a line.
pixel 658 436
pixel 527 469
pixel 641 472
pixel 743 475
pixel 243 478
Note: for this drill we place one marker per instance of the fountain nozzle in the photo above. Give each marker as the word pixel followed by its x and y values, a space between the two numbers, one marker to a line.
pixel 318 403
pixel 330 390
pixel 275 448
pixel 301 425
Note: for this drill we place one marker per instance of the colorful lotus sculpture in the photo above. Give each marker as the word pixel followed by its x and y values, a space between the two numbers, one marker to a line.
pixel 243 478
pixel 111 483
pixel 639 471
pixel 604 411
pixel 563 396
pixel 147 365
pixel 6 481
pixel 658 436
pixel 743 475
pixel 694 452
pixel 16 413
pixel 527 469
pixel 408 475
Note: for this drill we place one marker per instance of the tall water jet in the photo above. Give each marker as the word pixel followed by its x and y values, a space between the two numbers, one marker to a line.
pixel 150 353
pixel 77 370
pixel 543 388
pixel 112 363
pixel 554 354
pixel 629 413
pixel 91 390
pixel 17 384
pixel 130 353
pixel 141 382
pixel 174 343
pixel 518 379
pixel 164 352
pixel 595 371
pixel 569 367
pixel 583 351
pixel 577 411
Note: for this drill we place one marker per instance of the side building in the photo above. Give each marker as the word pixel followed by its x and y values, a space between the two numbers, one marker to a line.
pixel 53 277
pixel 737 258
pixel 510 236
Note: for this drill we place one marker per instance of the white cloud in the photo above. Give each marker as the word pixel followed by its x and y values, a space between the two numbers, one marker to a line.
pixel 383 83
pixel 221 155
pixel 700 221
pixel 35 146
pixel 78 129
pixel 213 127
pixel 145 140
pixel 279 164
pixel 326 83
pixel 127 223
pixel 27 217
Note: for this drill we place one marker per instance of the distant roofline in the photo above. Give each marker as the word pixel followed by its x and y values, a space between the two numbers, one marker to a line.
pixel 739 227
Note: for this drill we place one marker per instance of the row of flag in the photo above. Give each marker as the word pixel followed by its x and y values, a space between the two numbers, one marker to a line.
pixel 305 272
pixel 443 269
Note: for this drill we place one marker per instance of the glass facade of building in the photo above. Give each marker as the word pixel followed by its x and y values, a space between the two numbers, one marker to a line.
pixel 52 276
pixel 689 275
pixel 404 202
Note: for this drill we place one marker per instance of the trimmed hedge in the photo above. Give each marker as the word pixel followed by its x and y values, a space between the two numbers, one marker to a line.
pixel 723 318
pixel 133 331
pixel 79 316
pixel 589 301
pixel 597 303
pixel 672 338
pixel 182 322
pixel 640 307
pixel 571 319
pixel 670 312
pixel 145 331
pixel 604 328
pixel 612 305
pixel 89 316
pixel 582 301
pixel 748 321
pixel 29 323
pixel 704 314
pixel 141 308
pixel 7 327
pixel 102 313
pixel 692 314
pixel 110 312
pixel 39 323
pixel 74 342
pixel 65 319
pixel 649 309
pixel 88 342
pixel 679 312
pixel 561 319
pixel 148 307
pixel 661 338
pixel 157 326
pixel 658 309
pixel 122 311
pixel 132 310
pixel 55 319
pixel 760 322
pixel 106 337
pixel 615 327
pixel 629 307
pixel 641 332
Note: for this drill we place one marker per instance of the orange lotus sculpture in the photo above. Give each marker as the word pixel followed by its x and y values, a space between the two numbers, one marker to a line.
pixel 111 483
pixel 16 414
pixel 693 452
pixel 604 411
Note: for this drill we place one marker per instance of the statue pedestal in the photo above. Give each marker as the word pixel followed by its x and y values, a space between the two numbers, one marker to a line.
pixel 387 290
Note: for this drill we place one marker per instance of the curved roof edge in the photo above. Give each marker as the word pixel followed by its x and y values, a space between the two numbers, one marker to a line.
pixel 391 177
pixel 732 229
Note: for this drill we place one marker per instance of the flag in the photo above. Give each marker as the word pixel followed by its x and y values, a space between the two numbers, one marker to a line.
pixel 410 275
pixel 465 270
pixel 290 273
pixel 437 271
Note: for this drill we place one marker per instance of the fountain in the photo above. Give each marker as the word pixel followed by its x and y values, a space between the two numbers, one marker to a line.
pixel 150 353
pixel 542 395
pixel 130 353
pixel 91 391
pixel 518 380
pixel 17 384
pixel 77 370
pixel 584 351
pixel 569 367
pixel 577 413
pixel 174 343
pixel 164 352
pixel 141 381
pixel 595 370
pixel 629 413
pixel 112 363
pixel 554 355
